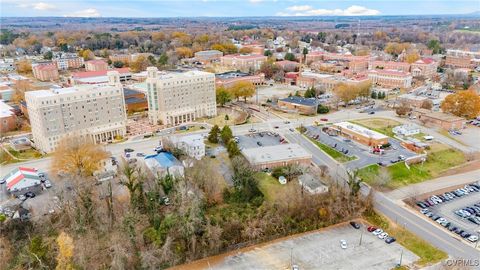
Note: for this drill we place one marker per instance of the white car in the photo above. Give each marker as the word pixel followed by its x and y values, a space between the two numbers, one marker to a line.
pixel 472 238
pixel 343 244
pixel 47 184
pixel 2 181
pixel 440 220
pixel 377 231
pixel 383 235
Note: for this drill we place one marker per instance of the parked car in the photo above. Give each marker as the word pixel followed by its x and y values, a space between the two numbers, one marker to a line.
pixel 30 194
pixel 390 240
pixel 343 244
pixel 140 154
pixel 47 184
pixel 377 231
pixel 22 197
pixel 2 181
pixel 383 235
pixel 371 229
pixel 355 225
pixel 472 238
pixel 128 150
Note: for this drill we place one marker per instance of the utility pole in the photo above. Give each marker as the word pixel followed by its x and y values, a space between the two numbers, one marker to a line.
pixel 361 237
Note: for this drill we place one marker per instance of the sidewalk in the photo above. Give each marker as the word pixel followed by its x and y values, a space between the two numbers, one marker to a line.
pixel 434 184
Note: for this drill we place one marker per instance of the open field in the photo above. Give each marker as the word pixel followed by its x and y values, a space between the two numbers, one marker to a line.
pixel 427 253
pixel 271 188
pixel 380 125
pixel 440 158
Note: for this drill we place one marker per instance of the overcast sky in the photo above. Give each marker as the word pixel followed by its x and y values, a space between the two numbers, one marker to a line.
pixel 231 8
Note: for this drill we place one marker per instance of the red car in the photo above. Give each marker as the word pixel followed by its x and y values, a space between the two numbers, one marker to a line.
pixel 371 229
pixel 324 119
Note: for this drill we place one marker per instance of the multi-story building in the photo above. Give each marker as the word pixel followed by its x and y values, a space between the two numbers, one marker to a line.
pixel 243 62
pixel 98 77
pixel 124 58
pixel 426 67
pixel 7 64
pixel 392 65
pixel 390 78
pixel 70 62
pixel 8 118
pixel 176 98
pixel 461 59
pixel 45 71
pixel 208 56
pixel 95 112
pixel 326 82
pixel 192 145
pixel 96 65
pixel 229 79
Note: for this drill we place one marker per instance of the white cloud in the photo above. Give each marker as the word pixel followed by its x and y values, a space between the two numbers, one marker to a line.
pixel 88 13
pixel 300 8
pixel 38 6
pixel 310 11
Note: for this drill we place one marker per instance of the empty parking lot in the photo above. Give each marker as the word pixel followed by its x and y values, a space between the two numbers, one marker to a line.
pixel 316 250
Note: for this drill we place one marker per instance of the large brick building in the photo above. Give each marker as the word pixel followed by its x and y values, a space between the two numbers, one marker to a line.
pixel 306 106
pixel 390 78
pixel 8 118
pixel 426 67
pixel 243 62
pixel 269 157
pixel 461 59
pixel 96 65
pixel 45 71
pixel 439 119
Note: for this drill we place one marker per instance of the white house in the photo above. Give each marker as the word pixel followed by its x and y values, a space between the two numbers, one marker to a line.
pixel 406 130
pixel 192 145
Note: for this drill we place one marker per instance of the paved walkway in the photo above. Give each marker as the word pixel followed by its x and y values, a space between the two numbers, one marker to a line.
pixel 435 184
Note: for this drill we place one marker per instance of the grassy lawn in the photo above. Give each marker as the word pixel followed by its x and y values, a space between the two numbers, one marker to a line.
pixel 189 129
pixel 269 186
pixel 440 158
pixel 25 155
pixel 428 254
pixel 338 156
pixel 272 190
pixel 380 125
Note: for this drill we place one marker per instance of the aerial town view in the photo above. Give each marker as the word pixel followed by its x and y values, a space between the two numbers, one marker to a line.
pixel 240 134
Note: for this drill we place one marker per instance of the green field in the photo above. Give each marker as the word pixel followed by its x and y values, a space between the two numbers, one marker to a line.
pixel 269 186
pixel 380 125
pixel 338 156
pixel 438 161
pixel 428 254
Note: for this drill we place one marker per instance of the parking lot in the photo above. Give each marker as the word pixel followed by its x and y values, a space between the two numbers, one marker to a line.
pixel 311 250
pixel 445 211
pixel 259 139
pixel 362 152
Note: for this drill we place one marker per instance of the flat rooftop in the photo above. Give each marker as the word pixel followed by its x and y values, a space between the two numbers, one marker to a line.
pixel 300 101
pixel 275 153
pixel 361 130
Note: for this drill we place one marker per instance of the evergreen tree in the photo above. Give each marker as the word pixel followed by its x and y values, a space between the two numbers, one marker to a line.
pixel 226 134
pixel 232 148
pixel 213 135
pixel 374 95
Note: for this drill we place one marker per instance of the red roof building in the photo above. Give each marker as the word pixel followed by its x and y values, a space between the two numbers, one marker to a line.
pixel 22 180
